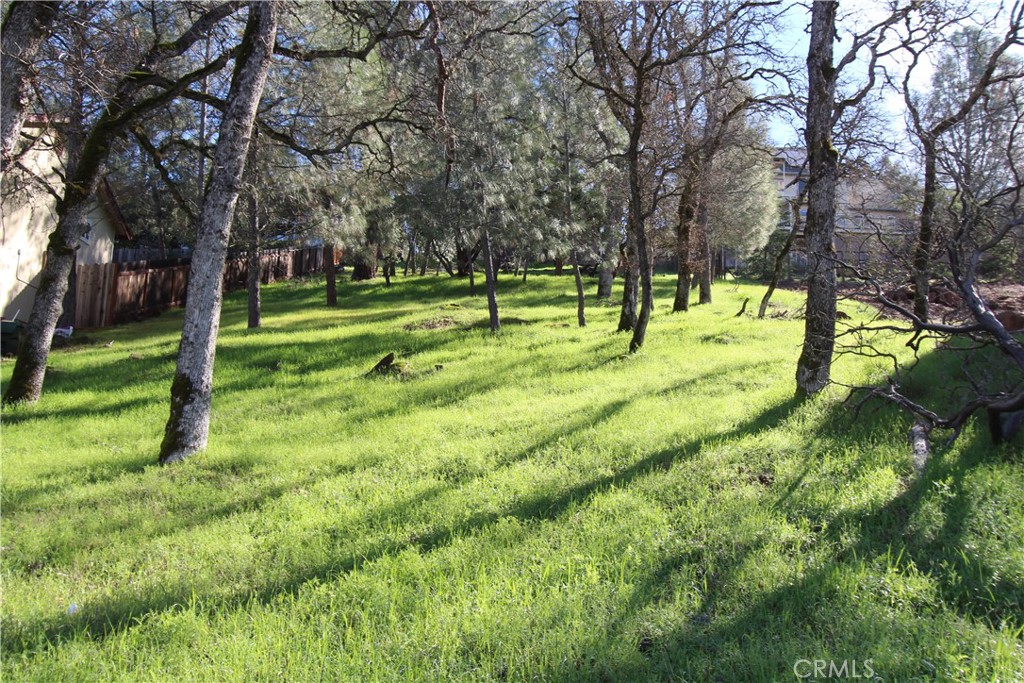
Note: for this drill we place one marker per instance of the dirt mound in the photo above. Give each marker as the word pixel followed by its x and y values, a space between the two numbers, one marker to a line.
pixel 1007 302
pixel 440 323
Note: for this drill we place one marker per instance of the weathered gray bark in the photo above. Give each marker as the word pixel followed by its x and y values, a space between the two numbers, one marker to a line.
pixel 489 276
pixel 23 32
pixel 188 426
pixel 920 447
pixel 26 383
pixel 80 186
pixel 330 275
pixel 255 308
pixel 814 365
pixel 581 316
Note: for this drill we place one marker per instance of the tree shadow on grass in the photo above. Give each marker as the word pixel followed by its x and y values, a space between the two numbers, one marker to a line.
pixel 441 392
pixel 116 613
pixel 17 499
pixel 822 615
pixel 37 413
pixel 269 364
pixel 852 606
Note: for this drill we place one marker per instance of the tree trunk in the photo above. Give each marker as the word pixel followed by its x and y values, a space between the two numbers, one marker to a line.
pixel 627 316
pixel 26 383
pixel 925 233
pixel 580 297
pixel 605 279
pixel 639 230
pixel 684 218
pixel 526 266
pixel 707 271
pixel 255 314
pixel 426 260
pixel 1020 254
pixel 781 259
pixel 492 298
pixel 24 29
pixel 814 366
pixel 559 266
pixel 609 262
pixel 463 261
pixel 364 266
pixel 330 275
pixel 188 426
pixel 388 272
pixel 646 294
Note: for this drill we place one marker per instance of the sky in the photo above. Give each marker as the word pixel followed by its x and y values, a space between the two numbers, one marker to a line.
pixel 792 41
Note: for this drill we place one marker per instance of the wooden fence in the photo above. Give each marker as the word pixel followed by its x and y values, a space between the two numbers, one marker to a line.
pixel 113 293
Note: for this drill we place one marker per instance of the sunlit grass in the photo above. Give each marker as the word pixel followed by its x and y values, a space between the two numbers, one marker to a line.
pixel 533 505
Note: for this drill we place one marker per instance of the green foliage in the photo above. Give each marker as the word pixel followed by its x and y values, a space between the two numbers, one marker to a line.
pixel 761 264
pixel 743 199
pixel 538 508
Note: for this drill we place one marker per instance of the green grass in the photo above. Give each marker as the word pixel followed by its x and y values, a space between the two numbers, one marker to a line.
pixel 540 507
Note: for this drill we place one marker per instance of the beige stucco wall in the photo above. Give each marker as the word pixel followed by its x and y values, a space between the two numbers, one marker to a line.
pixel 25 231
pixel 27 219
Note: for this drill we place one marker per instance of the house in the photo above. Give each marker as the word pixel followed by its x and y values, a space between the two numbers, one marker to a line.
pixel 28 216
pixel 871 224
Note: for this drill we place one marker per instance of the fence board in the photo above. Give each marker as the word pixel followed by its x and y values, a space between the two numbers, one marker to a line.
pixel 113 293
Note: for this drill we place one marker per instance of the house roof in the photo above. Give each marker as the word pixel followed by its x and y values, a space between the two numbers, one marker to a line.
pixel 107 194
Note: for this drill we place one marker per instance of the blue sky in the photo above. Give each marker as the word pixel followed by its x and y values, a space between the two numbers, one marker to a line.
pixel 792 41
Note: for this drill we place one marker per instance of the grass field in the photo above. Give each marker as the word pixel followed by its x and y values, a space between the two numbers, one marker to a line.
pixel 530 506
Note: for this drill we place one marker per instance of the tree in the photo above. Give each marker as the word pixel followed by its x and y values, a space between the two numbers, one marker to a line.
pixel 969 70
pixel 711 121
pixel 189 422
pixel 635 48
pixel 823 113
pixel 983 217
pixel 133 93
pixel 23 32
pixel 743 203
pixel 485 113
pixel 969 129
pixel 815 361
pixel 579 185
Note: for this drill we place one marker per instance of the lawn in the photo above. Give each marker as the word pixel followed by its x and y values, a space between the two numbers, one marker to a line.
pixel 527 506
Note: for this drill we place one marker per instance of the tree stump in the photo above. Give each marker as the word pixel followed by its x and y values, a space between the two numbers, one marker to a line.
pixel 382 366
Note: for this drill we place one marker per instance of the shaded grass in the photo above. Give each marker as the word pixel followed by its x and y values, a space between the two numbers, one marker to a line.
pixel 541 508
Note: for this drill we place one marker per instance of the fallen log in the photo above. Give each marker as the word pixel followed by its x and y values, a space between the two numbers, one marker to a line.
pixel 920 447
